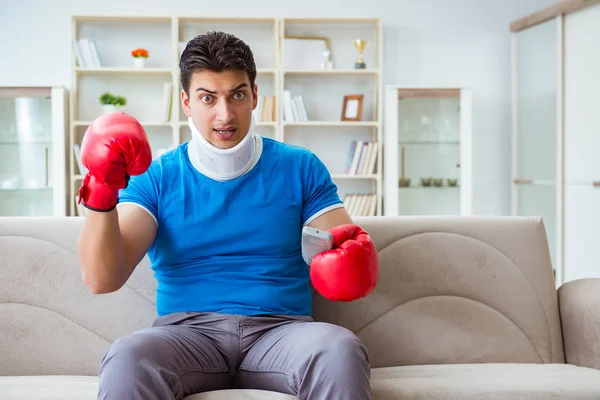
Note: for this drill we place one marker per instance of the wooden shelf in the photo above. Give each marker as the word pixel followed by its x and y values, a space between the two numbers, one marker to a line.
pixel 121 19
pixel 266 71
pixel 145 124
pixel 331 21
pixel 341 124
pixel 339 71
pixel 432 187
pixel 258 123
pixel 122 70
pixel 355 177
pixel 428 142
pixel 227 20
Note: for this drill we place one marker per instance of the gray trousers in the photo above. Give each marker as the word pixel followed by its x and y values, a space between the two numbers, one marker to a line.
pixel 187 353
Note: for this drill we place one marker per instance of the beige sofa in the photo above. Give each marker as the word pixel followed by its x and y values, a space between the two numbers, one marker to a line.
pixel 466 308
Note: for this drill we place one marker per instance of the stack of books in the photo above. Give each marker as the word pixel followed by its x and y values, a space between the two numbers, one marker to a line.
pixel 360 204
pixel 265 109
pixel 294 109
pixel 362 158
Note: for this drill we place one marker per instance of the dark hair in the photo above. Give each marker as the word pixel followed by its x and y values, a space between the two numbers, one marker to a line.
pixel 216 51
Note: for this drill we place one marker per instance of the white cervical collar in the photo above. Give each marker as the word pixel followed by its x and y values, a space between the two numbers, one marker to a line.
pixel 224 164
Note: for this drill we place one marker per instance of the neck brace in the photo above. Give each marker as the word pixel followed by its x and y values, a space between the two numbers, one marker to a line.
pixel 224 164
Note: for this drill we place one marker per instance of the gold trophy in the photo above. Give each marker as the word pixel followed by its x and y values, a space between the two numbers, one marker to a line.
pixel 360 46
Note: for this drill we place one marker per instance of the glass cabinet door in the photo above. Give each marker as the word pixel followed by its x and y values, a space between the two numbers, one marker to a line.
pixel 536 103
pixel 581 144
pixel 535 133
pixel 429 149
pixel 425 131
pixel 30 142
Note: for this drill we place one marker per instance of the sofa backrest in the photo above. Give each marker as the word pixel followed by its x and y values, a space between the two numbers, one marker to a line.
pixel 451 290
pixel 50 323
pixel 456 290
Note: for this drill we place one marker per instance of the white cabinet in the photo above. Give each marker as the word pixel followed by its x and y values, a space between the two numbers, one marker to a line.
pixel 556 170
pixel 32 151
pixel 427 152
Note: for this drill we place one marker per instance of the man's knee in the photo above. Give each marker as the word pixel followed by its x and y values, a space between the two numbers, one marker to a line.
pixel 339 368
pixel 339 345
pixel 126 352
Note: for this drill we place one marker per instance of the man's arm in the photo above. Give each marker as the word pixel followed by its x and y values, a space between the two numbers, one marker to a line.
pixel 336 217
pixel 116 151
pixel 349 271
pixel 111 244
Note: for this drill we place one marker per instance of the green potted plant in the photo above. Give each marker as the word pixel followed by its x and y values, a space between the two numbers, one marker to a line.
pixel 111 103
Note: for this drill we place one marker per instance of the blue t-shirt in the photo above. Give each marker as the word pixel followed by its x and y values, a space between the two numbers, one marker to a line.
pixel 233 246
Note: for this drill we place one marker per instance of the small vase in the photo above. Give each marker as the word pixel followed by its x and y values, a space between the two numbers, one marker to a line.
pixel 139 62
pixel 109 108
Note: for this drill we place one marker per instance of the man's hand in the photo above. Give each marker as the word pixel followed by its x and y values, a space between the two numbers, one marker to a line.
pixel 114 147
pixel 349 271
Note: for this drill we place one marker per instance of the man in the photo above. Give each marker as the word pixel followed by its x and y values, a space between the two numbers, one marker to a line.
pixel 220 218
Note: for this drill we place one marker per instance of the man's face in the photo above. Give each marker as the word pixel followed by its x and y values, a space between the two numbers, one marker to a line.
pixel 221 104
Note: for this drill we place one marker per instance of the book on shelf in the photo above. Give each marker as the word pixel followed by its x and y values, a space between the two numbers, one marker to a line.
pixel 265 109
pixel 86 53
pixel 362 158
pixel 360 204
pixel 294 108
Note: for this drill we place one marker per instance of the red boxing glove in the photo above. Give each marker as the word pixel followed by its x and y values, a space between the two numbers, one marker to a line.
pixel 349 271
pixel 114 147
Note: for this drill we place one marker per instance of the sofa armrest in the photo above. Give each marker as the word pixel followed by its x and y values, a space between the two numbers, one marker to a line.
pixel 580 317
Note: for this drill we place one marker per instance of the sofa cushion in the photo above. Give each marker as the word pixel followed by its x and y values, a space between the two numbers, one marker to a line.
pixel 58 387
pixel 486 381
pixel 241 395
pixel 70 387
pixel 432 382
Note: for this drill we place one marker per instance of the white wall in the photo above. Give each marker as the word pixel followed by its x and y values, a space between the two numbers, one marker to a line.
pixel 427 42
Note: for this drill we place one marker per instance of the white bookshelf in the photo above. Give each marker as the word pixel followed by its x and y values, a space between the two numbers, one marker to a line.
pixel 323 90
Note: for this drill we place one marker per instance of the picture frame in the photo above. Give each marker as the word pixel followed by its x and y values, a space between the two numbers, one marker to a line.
pixel 323 39
pixel 352 108
pixel 307 52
